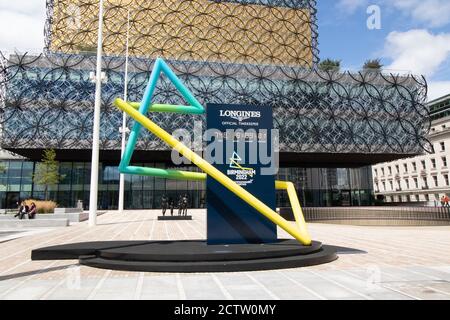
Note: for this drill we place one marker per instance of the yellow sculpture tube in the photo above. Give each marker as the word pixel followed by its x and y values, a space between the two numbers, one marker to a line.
pixel 295 204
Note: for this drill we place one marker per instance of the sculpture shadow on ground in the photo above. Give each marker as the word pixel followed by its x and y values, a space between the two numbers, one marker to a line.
pixel 36 272
pixel 347 250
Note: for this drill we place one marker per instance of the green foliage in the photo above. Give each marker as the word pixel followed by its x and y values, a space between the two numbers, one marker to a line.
pixel 42 206
pixel 330 65
pixel 47 171
pixel 373 65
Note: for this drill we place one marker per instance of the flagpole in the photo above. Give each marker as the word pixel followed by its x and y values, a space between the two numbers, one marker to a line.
pixel 96 130
pixel 124 119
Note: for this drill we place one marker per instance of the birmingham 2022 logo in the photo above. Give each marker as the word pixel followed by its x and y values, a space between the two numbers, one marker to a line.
pixel 242 175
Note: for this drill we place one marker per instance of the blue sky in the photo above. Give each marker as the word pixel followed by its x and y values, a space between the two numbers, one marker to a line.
pixel 414 35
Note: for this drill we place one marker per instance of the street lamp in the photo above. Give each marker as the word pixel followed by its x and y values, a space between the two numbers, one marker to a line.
pixel 96 131
pixel 123 130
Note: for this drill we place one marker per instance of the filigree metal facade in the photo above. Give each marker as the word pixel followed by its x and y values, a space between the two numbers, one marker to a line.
pixel 280 32
pixel 49 103
pixel 261 52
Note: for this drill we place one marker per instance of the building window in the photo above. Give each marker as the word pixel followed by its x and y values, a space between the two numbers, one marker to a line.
pixel 376 172
pixel 442 146
pixel 433 163
pixel 384 186
pixel 424 182
pixel 427 197
pixel 391 184
pixel 382 171
pixel 397 168
pixel 424 165
pixel 435 179
pixel 390 170
pixel 414 167
pixel 406 167
pixel 446 180
pixel 416 182
pixel 407 183
pixel 444 161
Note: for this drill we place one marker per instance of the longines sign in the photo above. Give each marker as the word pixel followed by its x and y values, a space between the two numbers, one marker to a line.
pixel 240 115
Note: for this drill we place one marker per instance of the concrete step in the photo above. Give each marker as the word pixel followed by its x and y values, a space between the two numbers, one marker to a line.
pixel 72 217
pixel 68 210
pixel 34 223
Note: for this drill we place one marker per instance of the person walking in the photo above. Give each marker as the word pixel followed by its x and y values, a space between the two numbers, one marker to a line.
pixel 447 201
pixel 443 201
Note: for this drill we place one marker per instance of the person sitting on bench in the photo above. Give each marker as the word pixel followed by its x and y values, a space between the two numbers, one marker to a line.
pixel 32 212
pixel 23 210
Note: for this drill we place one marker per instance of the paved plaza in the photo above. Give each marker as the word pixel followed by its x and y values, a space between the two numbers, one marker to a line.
pixel 374 263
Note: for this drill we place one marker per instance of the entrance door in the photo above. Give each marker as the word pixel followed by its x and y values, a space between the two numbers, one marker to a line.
pixel 11 200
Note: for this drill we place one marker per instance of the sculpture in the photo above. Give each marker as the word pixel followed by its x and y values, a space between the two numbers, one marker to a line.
pixel 138 111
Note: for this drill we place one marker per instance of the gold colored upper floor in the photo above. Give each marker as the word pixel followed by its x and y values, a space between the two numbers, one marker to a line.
pixel 200 30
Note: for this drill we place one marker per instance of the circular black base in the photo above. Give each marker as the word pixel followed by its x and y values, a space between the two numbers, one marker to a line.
pixel 197 256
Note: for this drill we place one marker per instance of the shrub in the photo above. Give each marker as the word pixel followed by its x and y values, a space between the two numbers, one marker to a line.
pixel 42 206
pixel 330 65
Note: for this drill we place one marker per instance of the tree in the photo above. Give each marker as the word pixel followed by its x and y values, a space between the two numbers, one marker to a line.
pixel 330 65
pixel 373 65
pixel 47 172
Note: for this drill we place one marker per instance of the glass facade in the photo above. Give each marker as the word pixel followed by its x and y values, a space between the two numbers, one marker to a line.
pixel 316 187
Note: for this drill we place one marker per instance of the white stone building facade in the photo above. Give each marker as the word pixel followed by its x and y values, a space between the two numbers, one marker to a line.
pixel 425 178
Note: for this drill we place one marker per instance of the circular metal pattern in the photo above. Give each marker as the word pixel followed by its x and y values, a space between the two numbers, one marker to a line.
pixel 259 52
pixel 47 102
pixel 281 32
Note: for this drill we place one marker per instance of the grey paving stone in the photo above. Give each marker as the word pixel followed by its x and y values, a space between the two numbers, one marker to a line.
pixel 30 290
pixel 159 287
pixel 117 289
pixel 322 287
pixel 201 287
pixel 240 286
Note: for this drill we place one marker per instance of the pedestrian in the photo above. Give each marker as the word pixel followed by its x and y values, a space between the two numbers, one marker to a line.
pixel 171 205
pixel 32 212
pixel 447 201
pixel 23 210
pixel 164 204
pixel 20 210
pixel 443 201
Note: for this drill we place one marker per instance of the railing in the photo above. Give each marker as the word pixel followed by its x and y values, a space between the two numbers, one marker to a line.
pixel 396 216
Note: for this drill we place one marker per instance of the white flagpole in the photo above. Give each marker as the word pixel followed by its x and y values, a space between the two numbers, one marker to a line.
pixel 124 120
pixel 96 131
